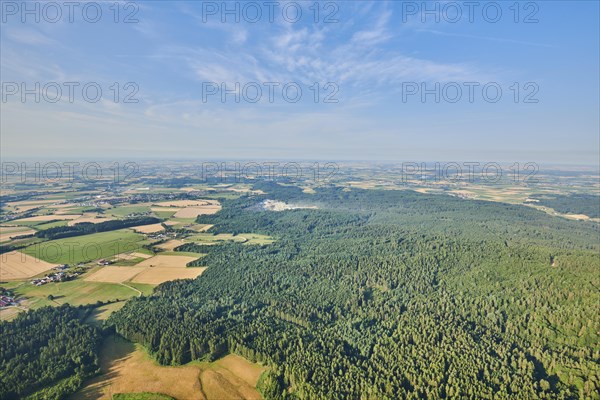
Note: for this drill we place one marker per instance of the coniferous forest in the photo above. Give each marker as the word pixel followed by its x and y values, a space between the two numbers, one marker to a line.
pixel 388 295
pixel 46 353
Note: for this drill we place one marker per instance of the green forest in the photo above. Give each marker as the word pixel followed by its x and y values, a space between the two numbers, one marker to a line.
pixel 387 295
pixel 46 353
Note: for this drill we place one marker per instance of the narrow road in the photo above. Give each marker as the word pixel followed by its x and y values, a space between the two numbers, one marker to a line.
pixel 132 288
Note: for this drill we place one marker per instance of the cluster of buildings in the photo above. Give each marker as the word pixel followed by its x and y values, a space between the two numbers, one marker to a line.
pixel 60 276
pixel 138 214
pixel 6 301
pixel 162 235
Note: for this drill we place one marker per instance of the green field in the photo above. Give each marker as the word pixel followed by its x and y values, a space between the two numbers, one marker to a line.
pixel 255 238
pixel 34 223
pixel 75 292
pixel 164 214
pixel 49 225
pixel 123 211
pixel 211 238
pixel 101 314
pixel 246 238
pixel 145 288
pixel 86 248
pixel 79 292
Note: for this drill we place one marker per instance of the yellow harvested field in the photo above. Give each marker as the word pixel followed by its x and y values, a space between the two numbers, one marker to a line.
pixel 167 261
pixel 159 209
pixel 89 218
pixel 35 202
pixel 576 216
pixel 127 368
pixel 131 256
pixel 42 218
pixel 201 227
pixel 153 271
pixel 22 206
pixel 170 245
pixel 188 208
pixel 16 265
pixel 9 313
pixel 12 228
pixel 224 385
pixel 112 274
pixel 158 275
pixel 9 233
pixel 193 212
pixel 153 228
pixel 242 368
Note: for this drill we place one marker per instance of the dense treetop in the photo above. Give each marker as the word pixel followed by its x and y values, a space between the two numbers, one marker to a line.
pixel 389 294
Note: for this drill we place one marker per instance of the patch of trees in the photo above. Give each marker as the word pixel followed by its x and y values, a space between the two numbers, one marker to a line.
pixel 49 349
pixel 388 294
pixel 86 228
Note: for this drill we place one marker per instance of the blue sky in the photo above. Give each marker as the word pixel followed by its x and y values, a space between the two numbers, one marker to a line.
pixel 370 57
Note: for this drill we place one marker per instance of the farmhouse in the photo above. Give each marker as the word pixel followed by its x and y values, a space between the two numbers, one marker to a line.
pixel 6 301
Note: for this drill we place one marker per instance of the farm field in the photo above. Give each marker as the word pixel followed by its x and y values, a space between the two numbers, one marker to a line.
pixel 127 368
pixel 22 206
pixel 76 292
pixel 255 238
pixel 44 218
pixel 93 218
pixel 111 274
pixel 144 275
pixel 246 238
pixel 186 209
pixel 16 265
pixel 201 227
pixel 122 211
pixel 86 248
pixel 150 270
pixel 209 204
pixel 158 275
pixel 101 314
pixel 9 313
pixel 167 261
pixel 153 228
pixel 170 244
pixel 7 233
pixel 48 225
pixel 209 238
pixel 132 255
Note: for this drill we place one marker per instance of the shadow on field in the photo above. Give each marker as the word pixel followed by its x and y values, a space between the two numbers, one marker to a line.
pixel 114 350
